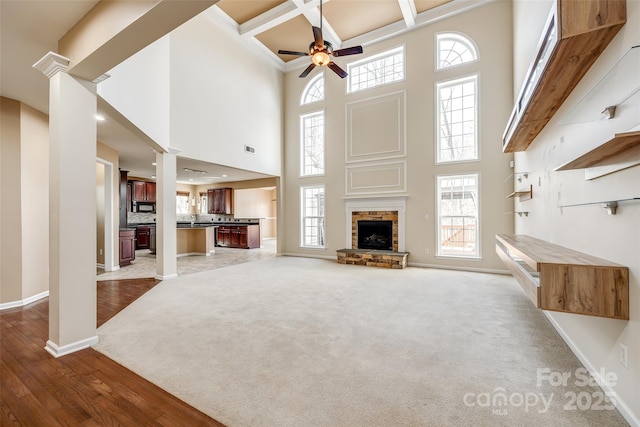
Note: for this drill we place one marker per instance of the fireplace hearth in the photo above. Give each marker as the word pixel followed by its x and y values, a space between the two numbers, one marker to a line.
pixel 375 234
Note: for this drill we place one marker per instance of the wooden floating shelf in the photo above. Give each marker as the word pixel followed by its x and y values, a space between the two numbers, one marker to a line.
pixel 623 149
pixel 522 195
pixel 575 35
pixel 560 279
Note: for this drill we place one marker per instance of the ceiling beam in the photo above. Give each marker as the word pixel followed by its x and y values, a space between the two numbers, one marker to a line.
pixel 408 9
pixel 269 19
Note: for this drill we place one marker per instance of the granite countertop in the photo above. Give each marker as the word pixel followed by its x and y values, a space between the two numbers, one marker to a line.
pixel 187 224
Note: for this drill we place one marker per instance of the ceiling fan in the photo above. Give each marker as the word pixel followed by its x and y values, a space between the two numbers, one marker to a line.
pixel 321 50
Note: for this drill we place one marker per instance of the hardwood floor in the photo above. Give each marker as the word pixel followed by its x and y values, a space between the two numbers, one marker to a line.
pixel 84 388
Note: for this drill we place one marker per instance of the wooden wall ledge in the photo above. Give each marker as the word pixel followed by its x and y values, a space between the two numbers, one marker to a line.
pixel 561 279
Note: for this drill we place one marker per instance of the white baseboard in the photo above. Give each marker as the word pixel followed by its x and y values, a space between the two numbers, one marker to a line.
pixel 452 267
pixel 20 303
pixel 166 277
pixel 59 351
pixel 309 256
pixel 99 265
pixel 412 264
pixel 113 268
pixel 620 404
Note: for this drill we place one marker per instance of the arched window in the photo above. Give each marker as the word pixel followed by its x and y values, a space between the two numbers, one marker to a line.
pixel 314 91
pixel 454 49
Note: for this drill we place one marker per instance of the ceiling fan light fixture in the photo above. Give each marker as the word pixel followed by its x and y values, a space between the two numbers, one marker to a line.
pixel 320 58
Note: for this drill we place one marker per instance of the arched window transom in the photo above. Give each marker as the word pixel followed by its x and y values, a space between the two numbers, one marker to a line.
pixel 454 49
pixel 314 91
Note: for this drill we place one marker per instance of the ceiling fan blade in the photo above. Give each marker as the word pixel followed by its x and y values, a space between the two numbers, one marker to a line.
pixel 306 72
pixel 348 51
pixel 292 52
pixel 339 71
pixel 317 36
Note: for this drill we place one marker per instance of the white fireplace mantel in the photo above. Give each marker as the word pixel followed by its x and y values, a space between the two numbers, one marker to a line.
pixel 396 203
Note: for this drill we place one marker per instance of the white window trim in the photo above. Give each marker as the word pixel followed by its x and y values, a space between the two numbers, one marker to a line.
pixel 437 50
pixel 478 256
pixel 437 119
pixel 372 58
pixel 302 142
pixel 305 90
pixel 302 216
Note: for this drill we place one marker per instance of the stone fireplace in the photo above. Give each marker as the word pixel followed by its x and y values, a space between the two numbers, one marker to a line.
pixel 375 235
pixel 375 232
pixel 374 222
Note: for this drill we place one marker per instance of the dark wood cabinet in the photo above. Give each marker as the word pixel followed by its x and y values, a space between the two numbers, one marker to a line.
pixel 223 237
pixel 143 191
pixel 152 239
pixel 239 236
pixel 143 237
pixel 220 200
pixel 127 246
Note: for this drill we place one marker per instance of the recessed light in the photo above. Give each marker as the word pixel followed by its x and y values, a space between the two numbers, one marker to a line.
pixel 190 179
pixel 224 175
pixel 153 176
pixel 100 118
pixel 154 163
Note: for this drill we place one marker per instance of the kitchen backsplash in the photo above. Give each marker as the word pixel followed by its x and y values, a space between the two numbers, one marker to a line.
pixel 142 218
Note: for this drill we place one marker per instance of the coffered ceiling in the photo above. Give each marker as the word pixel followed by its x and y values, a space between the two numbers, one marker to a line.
pixel 286 24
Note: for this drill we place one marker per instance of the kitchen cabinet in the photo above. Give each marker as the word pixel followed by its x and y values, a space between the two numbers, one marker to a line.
pixel 152 240
pixel 220 200
pixel 143 236
pixel 127 246
pixel 239 236
pixel 143 191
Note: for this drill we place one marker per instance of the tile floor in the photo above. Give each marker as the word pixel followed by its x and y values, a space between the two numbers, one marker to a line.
pixel 145 263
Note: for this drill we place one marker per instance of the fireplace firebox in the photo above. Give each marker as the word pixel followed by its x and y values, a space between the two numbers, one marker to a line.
pixel 376 234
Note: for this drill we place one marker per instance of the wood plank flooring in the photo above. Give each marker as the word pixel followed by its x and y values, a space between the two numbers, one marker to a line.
pixel 84 388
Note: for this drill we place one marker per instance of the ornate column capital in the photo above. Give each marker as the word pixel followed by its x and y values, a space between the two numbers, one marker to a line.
pixel 51 64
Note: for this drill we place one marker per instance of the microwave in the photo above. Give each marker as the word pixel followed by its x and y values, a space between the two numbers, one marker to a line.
pixel 145 207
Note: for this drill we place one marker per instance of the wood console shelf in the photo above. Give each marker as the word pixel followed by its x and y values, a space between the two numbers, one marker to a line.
pixel 622 150
pixel 522 195
pixel 560 279
pixel 575 35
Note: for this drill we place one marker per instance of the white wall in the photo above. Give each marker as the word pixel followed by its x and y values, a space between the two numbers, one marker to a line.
pixel 224 96
pixel 202 91
pixel 139 89
pixel 24 230
pixel 588 228
pixel 416 161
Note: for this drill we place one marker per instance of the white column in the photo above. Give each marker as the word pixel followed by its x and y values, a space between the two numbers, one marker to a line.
pixel 166 238
pixel 72 208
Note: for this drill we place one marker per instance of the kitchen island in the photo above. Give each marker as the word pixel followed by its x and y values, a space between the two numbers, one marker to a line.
pixel 195 240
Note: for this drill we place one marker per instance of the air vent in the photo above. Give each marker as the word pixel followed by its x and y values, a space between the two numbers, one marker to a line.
pixel 249 149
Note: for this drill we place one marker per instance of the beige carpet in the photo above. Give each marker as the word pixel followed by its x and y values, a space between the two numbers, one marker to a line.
pixel 306 342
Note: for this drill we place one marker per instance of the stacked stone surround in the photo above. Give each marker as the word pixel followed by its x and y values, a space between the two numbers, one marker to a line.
pixel 368 257
pixel 372 258
pixel 374 216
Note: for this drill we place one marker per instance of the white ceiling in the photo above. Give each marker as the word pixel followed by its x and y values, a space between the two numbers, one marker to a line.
pixel 30 29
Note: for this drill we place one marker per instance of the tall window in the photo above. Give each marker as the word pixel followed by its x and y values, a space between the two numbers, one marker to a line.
pixel 204 203
pixel 377 70
pixel 454 49
pixel 457 120
pixel 312 216
pixel 312 129
pixel 458 233
pixel 314 91
pixel 182 202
